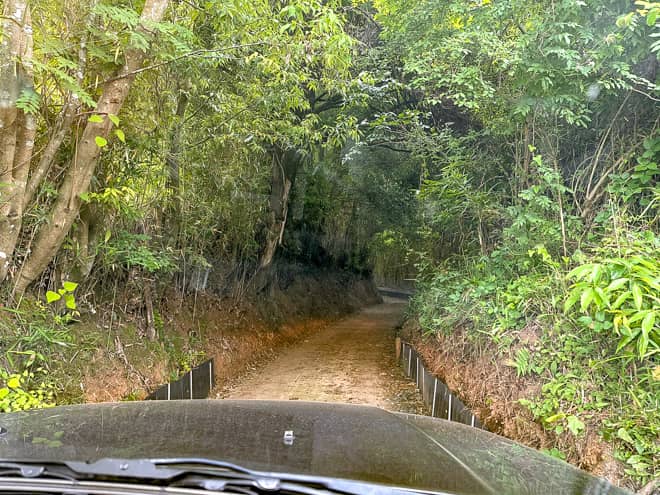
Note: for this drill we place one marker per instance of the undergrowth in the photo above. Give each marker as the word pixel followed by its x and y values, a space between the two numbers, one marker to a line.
pixel 36 336
pixel 593 314
pixel 598 366
pixel 45 349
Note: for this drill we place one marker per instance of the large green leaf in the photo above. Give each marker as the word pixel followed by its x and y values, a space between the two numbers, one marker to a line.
pixel 52 296
pixel 69 286
pixel 647 322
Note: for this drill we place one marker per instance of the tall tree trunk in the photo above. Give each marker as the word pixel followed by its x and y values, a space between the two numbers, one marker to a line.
pixel 17 128
pixel 80 171
pixel 173 160
pixel 284 168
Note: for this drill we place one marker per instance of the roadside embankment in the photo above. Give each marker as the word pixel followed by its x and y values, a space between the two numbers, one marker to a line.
pixel 115 361
pixel 489 385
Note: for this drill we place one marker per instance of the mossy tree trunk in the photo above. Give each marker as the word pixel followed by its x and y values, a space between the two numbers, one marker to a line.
pixel 17 127
pixel 80 171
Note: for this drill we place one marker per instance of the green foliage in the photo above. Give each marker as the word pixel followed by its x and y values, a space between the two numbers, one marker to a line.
pixel 584 363
pixel 126 250
pixel 636 432
pixel 28 101
pixel 555 452
pixel 65 293
pixel 515 58
pixel 638 188
pixel 621 294
pixel 27 381
pixel 27 390
pixel 390 256
pixel 183 353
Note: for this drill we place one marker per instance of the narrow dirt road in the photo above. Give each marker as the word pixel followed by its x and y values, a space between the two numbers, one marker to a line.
pixel 349 361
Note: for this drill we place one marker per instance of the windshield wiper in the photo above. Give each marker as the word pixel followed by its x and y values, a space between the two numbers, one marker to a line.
pixel 199 473
pixel 29 470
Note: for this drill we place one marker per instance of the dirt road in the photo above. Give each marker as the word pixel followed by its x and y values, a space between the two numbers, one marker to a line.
pixel 349 361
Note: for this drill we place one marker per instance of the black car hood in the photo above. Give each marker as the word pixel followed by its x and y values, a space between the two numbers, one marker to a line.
pixel 331 440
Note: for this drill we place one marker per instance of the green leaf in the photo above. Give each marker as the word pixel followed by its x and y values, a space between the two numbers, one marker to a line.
pixel 621 299
pixel 554 452
pixel 572 299
pixel 108 234
pixel 575 425
pixel 13 382
pixel 647 322
pixel 4 392
pixel 100 141
pixel 637 296
pixel 70 301
pixel 601 298
pixel 639 315
pixel 96 119
pixel 555 417
pixel 652 17
pixel 617 284
pixel 28 101
pixel 51 297
pixel 623 434
pixel 642 345
pixel 586 298
pixel 580 271
pixel 627 339
pixel 114 119
pixel 69 286
pixel 120 135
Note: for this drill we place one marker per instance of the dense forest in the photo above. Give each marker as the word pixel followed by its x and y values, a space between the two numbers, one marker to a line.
pixel 502 155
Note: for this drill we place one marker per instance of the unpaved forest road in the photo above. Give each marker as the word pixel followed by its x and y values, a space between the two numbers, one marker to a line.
pixel 349 361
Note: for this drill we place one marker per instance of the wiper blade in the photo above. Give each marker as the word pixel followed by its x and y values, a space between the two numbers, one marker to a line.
pixel 200 462
pixel 205 474
pixel 186 472
pixel 27 470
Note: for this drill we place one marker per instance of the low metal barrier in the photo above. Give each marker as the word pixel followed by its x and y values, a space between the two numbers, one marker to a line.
pixel 436 395
pixel 196 384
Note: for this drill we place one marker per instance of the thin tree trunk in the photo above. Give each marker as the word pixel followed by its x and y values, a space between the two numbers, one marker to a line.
pixel 40 171
pixel 80 172
pixel 17 128
pixel 149 310
pixel 284 169
pixel 173 160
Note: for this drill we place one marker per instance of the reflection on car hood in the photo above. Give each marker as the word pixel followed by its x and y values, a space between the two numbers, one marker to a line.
pixel 330 440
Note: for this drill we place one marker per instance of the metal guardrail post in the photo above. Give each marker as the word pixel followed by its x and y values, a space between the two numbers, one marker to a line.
pixel 456 410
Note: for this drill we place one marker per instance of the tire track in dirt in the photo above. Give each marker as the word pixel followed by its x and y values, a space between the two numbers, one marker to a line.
pixel 350 361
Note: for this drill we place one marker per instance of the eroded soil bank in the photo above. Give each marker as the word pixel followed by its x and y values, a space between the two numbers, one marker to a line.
pixel 491 389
